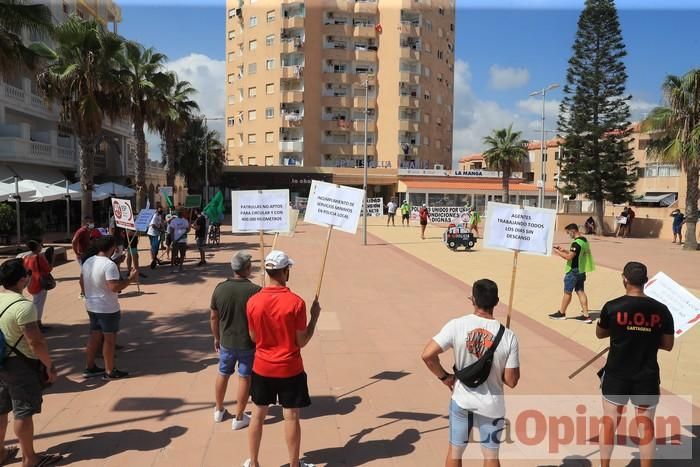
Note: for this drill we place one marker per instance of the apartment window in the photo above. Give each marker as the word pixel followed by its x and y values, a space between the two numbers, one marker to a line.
pixel 440 54
pixel 231 12
pixel 269 160
pixel 252 91
pixel 251 161
pixel 230 78
pixel 231 99
pixel 426 118
pixel 252 139
pixel 240 94
pixel 231 56
pixel 270 88
pixel 231 35
pixel 426 95
pixel 269 63
pixel 252 115
pixel 426 141
pixel 230 121
pixel 441 11
pixel 252 45
pixel 269 137
pixel 229 144
pixel 270 40
pixel 452 27
pixel 253 21
pixel 270 16
pixel 252 68
pixel 270 112
pixel 428 25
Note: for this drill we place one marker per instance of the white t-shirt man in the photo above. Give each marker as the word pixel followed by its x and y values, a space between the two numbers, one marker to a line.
pixel 178 229
pixel 155 226
pixel 391 207
pixel 96 271
pixel 470 336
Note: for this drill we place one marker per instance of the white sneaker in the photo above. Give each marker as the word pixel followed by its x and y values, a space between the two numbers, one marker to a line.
pixel 306 464
pixel 247 463
pixel 240 424
pixel 219 415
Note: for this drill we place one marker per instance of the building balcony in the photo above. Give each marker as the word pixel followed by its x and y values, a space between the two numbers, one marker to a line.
pixel 342 149
pixel 368 32
pixel 338 30
pixel 292 120
pixel 341 5
pixel 359 101
pixel 293 22
pixel 410 29
pixel 336 101
pixel 336 53
pixel 290 97
pixel 410 53
pixel 292 146
pixel 292 71
pixel 358 149
pixel 338 78
pixel 409 101
pixel 367 7
pixel 35 152
pixel 408 125
pixel 406 149
pixel 291 46
pixel 336 124
pixel 359 125
pixel 409 77
pixel 365 55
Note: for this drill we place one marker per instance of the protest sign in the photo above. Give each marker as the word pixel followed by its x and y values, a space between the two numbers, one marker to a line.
pixel 443 214
pixel 528 230
pixel 193 201
pixel 334 205
pixel 683 305
pixel 375 207
pixel 123 215
pixel 260 210
pixel 166 191
pixel 144 219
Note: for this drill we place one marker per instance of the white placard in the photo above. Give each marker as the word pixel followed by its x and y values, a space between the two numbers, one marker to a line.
pixel 683 305
pixel 336 205
pixel 166 191
pixel 510 227
pixel 123 215
pixel 443 214
pixel 256 210
pixel 293 220
pixel 375 207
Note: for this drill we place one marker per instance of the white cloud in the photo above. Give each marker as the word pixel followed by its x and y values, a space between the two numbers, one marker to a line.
pixel 508 77
pixel 640 108
pixel 533 105
pixel 207 76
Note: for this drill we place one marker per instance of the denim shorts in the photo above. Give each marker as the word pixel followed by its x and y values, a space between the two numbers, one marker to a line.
pixel 574 281
pixel 229 357
pixel 462 421
pixel 105 322
pixel 155 243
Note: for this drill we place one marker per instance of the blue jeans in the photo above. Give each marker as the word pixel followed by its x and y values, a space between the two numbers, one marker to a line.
pixel 229 357
pixel 462 421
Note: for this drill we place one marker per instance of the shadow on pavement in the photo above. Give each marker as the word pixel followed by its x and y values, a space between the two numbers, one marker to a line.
pixel 355 452
pixel 321 406
pixel 110 443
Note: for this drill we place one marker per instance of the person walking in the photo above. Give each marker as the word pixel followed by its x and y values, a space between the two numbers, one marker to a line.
pixel 423 217
pixel 200 235
pixel 81 238
pixel 27 367
pixel 178 229
pixel 579 261
pixel 278 325
pixel 637 326
pixel 678 221
pixel 103 284
pixel 405 213
pixel 229 326
pixel 39 270
pixel 470 337
pixel 474 221
pixel 391 213
pixel 630 220
pixel 155 230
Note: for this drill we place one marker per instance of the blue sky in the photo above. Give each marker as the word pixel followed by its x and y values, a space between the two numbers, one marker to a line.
pixel 505 49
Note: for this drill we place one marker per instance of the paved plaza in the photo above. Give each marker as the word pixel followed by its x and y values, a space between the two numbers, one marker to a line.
pixel 373 400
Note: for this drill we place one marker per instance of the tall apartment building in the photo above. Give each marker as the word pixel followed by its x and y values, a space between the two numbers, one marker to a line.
pixel 298 74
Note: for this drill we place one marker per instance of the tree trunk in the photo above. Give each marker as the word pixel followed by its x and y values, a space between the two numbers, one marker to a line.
pixel 691 209
pixel 170 155
pixel 140 164
pixel 599 217
pixel 87 160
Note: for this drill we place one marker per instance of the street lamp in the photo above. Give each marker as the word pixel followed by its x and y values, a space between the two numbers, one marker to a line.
pixel 543 147
pixel 206 155
pixel 364 184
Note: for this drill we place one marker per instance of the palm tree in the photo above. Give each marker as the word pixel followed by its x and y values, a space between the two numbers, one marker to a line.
pixel 506 152
pixel 176 113
pixel 191 156
pixel 82 77
pixel 15 16
pixel 675 132
pixel 142 75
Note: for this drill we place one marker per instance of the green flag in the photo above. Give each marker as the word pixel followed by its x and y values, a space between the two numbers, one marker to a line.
pixel 215 209
pixel 167 199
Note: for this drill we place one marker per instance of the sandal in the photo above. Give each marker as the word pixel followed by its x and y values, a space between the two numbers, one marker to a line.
pixel 10 455
pixel 49 459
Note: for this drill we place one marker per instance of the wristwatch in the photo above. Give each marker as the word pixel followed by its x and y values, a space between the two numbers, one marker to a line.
pixel 443 378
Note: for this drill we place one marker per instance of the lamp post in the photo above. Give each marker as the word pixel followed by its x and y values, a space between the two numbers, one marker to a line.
pixel 206 155
pixel 364 183
pixel 543 147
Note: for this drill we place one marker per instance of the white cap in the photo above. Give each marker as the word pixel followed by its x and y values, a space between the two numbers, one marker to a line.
pixel 277 259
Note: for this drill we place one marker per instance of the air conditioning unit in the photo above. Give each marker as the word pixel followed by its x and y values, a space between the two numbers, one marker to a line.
pixel 439 167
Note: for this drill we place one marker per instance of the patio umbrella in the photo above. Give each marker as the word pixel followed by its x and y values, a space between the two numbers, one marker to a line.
pixel 96 195
pixel 7 191
pixel 46 192
pixel 115 190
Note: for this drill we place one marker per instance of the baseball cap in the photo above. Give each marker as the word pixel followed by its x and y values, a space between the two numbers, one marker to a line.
pixel 277 259
pixel 635 273
pixel 240 260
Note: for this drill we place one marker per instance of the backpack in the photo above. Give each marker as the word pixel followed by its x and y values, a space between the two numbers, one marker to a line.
pixel 4 353
pixel 478 372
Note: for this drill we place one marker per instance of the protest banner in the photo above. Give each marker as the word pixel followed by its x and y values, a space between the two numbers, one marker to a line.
pixel 683 305
pixel 144 219
pixel 375 207
pixel 193 201
pixel 124 218
pixel 443 214
pixel 333 206
pixel 519 229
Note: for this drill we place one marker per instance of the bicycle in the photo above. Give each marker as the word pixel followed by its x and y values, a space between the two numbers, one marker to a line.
pixel 214 237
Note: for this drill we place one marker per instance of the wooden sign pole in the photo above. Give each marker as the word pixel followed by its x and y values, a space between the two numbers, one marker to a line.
pixel 128 250
pixel 589 362
pixel 512 287
pixel 262 256
pixel 274 240
pixel 323 264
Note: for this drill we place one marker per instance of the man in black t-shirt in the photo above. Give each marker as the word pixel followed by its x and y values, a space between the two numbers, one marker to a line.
pixel 229 326
pixel 200 235
pixel 638 326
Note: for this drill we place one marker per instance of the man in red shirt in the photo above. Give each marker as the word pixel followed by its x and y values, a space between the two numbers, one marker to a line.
pixel 81 238
pixel 277 324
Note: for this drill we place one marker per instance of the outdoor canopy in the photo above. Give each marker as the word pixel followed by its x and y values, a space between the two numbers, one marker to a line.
pixel 115 190
pixel 7 190
pixel 44 192
pixel 96 195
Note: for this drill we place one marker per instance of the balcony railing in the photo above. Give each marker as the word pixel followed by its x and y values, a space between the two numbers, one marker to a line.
pixel 292 146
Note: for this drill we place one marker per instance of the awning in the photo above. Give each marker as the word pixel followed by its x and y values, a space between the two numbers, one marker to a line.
pixel 663 199
pixel 40 173
pixel 7 191
pixel 115 190
pixel 96 195
pixel 436 186
pixel 44 192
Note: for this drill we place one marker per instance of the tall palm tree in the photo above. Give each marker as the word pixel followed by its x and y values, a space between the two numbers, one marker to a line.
pixel 191 156
pixel 142 73
pixel 675 130
pixel 506 152
pixel 83 77
pixel 177 109
pixel 16 16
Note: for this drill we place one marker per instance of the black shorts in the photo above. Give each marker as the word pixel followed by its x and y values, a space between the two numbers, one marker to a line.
pixel 391 214
pixel 405 216
pixel 290 393
pixel 423 222
pixel 20 388
pixel 618 391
